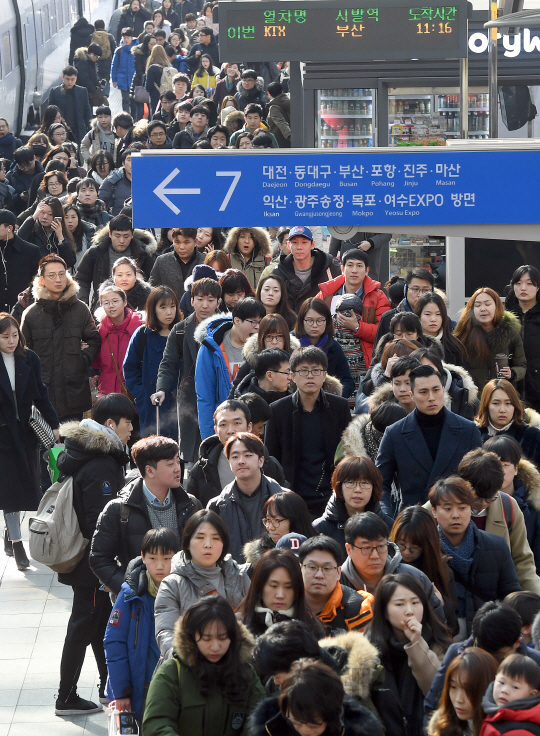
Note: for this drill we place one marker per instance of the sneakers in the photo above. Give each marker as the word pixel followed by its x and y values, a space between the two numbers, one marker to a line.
pixel 76 707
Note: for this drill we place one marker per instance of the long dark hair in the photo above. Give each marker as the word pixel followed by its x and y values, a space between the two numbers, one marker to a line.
pixel 78 233
pixel 7 321
pixel 282 307
pixel 291 506
pixel 448 341
pixel 270 561
pixel 58 211
pixel 380 630
pixel 158 294
pixel 417 525
pixel 230 672
pixel 48 119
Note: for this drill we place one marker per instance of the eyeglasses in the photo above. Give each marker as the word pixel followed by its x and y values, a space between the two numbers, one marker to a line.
pixel 159 134
pixel 283 373
pixel 253 322
pixel 54 276
pixel 313 569
pixel 488 500
pixel 368 551
pixel 275 338
pixel 314 321
pixel 364 485
pixel 418 290
pixel 113 303
pixel 414 550
pixel 311 372
pixel 270 523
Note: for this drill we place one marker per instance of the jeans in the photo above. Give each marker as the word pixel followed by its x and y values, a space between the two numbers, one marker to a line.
pixel 13 525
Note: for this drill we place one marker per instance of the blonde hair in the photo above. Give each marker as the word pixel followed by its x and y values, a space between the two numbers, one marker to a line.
pixel 158 56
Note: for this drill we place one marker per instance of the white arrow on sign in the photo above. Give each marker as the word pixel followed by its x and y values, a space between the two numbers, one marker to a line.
pixel 161 191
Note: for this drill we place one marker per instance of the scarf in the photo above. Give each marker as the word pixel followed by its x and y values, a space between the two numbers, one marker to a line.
pixel 461 559
pixel 493 431
pixel 152 587
pixel 109 433
pixel 305 342
pixel 7 141
pixel 272 617
pixel 92 212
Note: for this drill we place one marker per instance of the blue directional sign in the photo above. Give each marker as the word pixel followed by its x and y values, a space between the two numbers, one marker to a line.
pixel 379 188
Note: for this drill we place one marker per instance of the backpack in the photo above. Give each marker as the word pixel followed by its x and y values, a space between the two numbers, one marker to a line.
pixel 103 41
pixel 508 510
pixel 166 79
pixel 55 536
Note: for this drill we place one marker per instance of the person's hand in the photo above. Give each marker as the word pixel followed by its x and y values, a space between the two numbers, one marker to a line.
pixel 412 628
pixel 121 704
pixel 157 398
pixel 348 323
pixel 56 227
pixel 438 593
pixel 197 54
pixel 24 196
pixel 389 365
pixel 209 247
pixel 506 372
pixel 72 163
pixel 37 211
pixel 56 435
pixel 84 345
pixel 2 174
pixel 365 245
pixel 115 85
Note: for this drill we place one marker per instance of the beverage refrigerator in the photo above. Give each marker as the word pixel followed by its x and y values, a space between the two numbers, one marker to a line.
pixel 345 118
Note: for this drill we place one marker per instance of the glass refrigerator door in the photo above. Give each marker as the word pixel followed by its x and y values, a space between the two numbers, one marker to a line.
pixel 345 118
pixel 415 251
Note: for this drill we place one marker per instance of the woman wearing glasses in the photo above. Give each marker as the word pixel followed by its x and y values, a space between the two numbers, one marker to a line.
pixel 415 533
pixel 357 486
pixel 314 326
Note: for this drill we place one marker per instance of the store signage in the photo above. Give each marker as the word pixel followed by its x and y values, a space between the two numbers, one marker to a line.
pixel 379 188
pixel 523 41
pixel 342 30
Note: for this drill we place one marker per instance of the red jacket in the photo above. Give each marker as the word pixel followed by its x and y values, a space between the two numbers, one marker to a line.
pixel 119 337
pixel 503 715
pixel 375 305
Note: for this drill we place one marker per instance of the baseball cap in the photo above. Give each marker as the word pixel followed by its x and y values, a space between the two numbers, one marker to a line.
pixel 301 230
pixel 291 541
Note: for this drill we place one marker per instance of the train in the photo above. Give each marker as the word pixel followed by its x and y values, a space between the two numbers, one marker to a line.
pixel 34 47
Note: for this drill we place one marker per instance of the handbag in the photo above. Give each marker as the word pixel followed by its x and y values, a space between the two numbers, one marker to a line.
pixel 97 98
pixel 141 95
pixel 41 428
pixel 123 388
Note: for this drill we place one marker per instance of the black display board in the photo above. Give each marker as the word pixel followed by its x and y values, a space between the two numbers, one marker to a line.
pixel 340 30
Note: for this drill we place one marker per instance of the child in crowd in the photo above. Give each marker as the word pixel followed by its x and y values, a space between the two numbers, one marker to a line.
pixel 512 702
pixel 130 644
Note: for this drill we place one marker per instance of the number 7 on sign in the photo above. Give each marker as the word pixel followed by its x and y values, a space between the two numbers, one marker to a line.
pixel 236 178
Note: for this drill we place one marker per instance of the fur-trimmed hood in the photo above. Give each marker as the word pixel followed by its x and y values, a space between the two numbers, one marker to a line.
pixel 382 393
pixel 332 386
pixel 530 477
pixel 39 291
pixel 251 349
pixel 81 54
pixel 263 245
pixel 187 650
pixel 468 382
pixel 91 436
pixel 142 237
pixel 259 86
pixel 232 116
pixel 203 330
pixel 503 333
pixel 253 551
pixel 362 663
pixel 532 418
pixel 352 439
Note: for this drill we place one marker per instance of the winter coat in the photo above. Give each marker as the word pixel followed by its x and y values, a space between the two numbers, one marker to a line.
pixel 96 140
pixel 250 351
pixel 283 436
pixel 95 214
pixel 118 337
pixel 384 324
pixel 182 9
pixel 212 49
pixel 20 487
pixel 94 267
pixel 359 438
pixel 128 639
pixel 141 377
pixel 228 507
pixel 33 232
pixel 206 80
pixel 80 123
pixel 257 94
pixel 87 71
pixel 171 16
pixel 245 129
pixel 403 452
pixel 152 83
pixel 6 196
pixel 278 117
pixel 111 542
pixel 527 496
pixel 203 480
pixel 505 337
pixel 96 460
pixel 530 335
pixel 325 268
pixel 139 61
pixel 185 586
pixel 357 720
pixel 166 271
pixel 54 330
pixel 346 610
pixel 512 718
pixel 8 146
pixel 20 182
pixel 187 137
pixel 375 304
pixel 212 376
pixel 21 264
pixel 260 256
pixel 332 522
pixel 338 366
pixel 175 705
pixel 123 66
pixel 221 91
pixel 115 190
pixel 80 33
pixel 526 434
pixel 138 295
pixel 129 19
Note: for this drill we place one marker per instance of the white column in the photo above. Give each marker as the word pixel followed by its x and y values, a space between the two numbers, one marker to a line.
pixel 455 275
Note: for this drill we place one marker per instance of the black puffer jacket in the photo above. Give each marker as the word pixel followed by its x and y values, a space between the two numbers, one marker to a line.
pixel 80 33
pixel 530 334
pixel 324 268
pixel 87 70
pixel 96 462
pixel 109 543
pixel 137 296
pixel 33 232
pixel 129 19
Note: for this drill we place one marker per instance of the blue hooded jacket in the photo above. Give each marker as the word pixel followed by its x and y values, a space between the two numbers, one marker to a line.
pixel 130 643
pixel 212 377
pixel 123 65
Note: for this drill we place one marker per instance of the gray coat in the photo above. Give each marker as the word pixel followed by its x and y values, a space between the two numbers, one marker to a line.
pixel 167 272
pixel 184 587
pixel 228 507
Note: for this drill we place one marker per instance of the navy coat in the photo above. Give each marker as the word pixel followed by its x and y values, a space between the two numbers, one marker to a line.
pixel 404 453
pixel 19 489
pixel 83 111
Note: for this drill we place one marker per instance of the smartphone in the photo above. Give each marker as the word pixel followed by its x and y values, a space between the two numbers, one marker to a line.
pixel 58 219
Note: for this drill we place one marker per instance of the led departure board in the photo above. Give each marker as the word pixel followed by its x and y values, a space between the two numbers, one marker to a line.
pixel 339 30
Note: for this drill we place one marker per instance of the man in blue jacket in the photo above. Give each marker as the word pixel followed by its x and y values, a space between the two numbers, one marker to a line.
pixel 222 340
pixel 130 644
pixel 73 102
pixel 426 445
pixel 123 69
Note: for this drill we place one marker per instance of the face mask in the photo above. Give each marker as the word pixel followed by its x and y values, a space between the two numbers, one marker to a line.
pixel 38 149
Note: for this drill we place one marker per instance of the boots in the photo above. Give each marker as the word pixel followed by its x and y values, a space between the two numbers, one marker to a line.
pixel 8 545
pixel 21 559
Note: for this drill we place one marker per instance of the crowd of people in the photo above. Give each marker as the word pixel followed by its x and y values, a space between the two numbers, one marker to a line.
pixel 311 502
